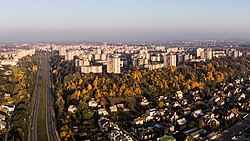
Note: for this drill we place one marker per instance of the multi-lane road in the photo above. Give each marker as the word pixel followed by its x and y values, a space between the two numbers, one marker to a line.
pixel 51 131
pixel 234 130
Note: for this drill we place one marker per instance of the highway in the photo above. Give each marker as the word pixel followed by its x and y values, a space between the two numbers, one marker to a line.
pixel 234 130
pixel 50 114
pixel 33 117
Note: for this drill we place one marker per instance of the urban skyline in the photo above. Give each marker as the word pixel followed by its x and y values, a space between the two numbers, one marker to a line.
pixel 124 70
pixel 110 20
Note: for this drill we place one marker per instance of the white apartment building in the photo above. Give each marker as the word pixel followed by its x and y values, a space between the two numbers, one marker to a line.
pixel 154 66
pixel 234 52
pixel 97 56
pixel 69 55
pixel 199 52
pixel 103 57
pixel 188 57
pixel 180 57
pixel 155 57
pixel 62 51
pixel 142 58
pixel 113 64
pixel 174 49
pixel 208 54
pixel 97 50
pixel 169 60
pixel 91 69
pixel 55 47
pixel 219 53
pixel 139 61
pixel 12 57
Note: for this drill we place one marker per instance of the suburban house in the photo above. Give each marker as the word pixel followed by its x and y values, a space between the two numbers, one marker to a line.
pixel 182 121
pixel 102 111
pixel 144 102
pixel 179 94
pixel 10 108
pixel 92 103
pixel 113 108
pixel 3 125
pixel 72 109
pixel 2 117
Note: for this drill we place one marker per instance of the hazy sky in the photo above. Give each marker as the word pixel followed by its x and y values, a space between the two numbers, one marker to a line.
pixel 109 20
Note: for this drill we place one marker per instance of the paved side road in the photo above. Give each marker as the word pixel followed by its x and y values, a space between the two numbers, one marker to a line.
pixel 227 135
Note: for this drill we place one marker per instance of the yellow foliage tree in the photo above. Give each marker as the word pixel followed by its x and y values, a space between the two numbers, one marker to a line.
pixel 80 81
pixel 75 95
pixel 115 87
pixel 219 76
pixel 194 85
pixel 137 90
pixel 89 87
pixel 104 88
pixel 73 85
pixel 84 91
pixel 161 104
pixel 173 69
pixel 210 67
pixel 201 124
pixel 111 93
pixel 210 76
pixel 63 134
pixel 95 83
pixel 122 88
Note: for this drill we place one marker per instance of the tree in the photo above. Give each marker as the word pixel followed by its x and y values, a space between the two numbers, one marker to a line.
pixel 115 87
pixel 89 87
pixel 191 124
pixel 87 114
pixel 82 105
pixel 80 81
pixel 219 76
pixel 210 76
pixel 161 104
pixel 17 88
pixel 131 102
pixel 9 88
pixel 111 93
pixel 63 134
pixel 201 124
pixel 60 105
pixel 75 96
pixel 137 90
pixel 95 83
pixel 210 67
pixel 122 88
pixel 104 88
pixel 84 91
pixel 68 78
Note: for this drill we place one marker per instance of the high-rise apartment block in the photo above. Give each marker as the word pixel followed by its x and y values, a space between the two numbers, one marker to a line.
pixel 169 60
pixel 113 64
pixel 208 54
pixel 62 51
pixel 199 53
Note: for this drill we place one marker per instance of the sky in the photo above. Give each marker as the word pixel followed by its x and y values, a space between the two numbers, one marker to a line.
pixel 123 20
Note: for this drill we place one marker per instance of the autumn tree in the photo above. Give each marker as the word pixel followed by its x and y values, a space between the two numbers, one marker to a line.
pixel 60 105
pixel 161 104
